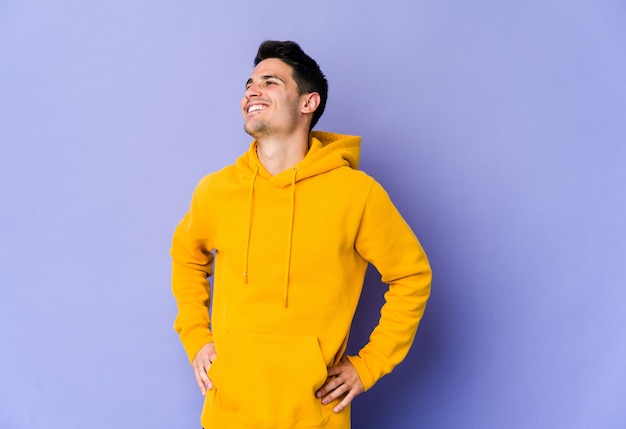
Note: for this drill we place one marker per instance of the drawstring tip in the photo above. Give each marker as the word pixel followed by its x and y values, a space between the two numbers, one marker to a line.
pixel 245 278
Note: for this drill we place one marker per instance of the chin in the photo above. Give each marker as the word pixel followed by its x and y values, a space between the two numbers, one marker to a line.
pixel 256 130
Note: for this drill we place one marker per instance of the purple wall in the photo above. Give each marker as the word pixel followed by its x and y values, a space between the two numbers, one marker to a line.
pixel 498 128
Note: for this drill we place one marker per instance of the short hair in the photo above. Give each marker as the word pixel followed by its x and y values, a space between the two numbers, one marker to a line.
pixel 306 72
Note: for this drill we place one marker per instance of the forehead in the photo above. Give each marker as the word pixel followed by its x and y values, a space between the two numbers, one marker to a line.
pixel 272 67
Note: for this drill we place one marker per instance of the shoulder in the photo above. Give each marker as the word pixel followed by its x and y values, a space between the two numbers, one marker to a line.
pixel 355 186
pixel 356 177
pixel 217 179
pixel 359 179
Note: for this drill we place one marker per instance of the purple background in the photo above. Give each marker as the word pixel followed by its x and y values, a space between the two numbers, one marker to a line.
pixel 498 128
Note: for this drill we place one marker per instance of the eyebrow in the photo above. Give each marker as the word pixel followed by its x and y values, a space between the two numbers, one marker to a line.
pixel 267 77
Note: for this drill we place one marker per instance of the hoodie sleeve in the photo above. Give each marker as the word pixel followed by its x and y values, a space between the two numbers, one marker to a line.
pixel 388 243
pixel 192 260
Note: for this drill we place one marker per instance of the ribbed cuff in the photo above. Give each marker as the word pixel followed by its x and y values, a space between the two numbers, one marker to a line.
pixel 364 374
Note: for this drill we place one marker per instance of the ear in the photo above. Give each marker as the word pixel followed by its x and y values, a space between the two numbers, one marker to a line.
pixel 311 102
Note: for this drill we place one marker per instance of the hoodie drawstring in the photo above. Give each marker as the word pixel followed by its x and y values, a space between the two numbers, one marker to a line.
pixel 290 232
pixel 249 229
pixel 291 219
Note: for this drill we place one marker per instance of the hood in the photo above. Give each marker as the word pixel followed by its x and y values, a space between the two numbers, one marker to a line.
pixel 327 151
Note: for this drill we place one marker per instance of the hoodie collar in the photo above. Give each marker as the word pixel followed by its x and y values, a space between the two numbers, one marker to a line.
pixel 327 151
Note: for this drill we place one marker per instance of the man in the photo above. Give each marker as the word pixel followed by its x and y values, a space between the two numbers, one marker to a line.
pixel 287 233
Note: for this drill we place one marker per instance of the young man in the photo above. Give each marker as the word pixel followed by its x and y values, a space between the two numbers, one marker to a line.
pixel 287 233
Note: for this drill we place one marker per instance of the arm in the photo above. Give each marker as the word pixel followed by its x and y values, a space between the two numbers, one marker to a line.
pixel 191 266
pixel 386 241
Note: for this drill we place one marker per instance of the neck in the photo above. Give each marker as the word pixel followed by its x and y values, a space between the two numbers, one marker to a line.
pixel 278 155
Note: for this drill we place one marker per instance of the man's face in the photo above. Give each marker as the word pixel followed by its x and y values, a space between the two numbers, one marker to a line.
pixel 271 104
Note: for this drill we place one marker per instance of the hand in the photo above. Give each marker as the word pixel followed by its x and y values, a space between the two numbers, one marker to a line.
pixel 344 380
pixel 201 364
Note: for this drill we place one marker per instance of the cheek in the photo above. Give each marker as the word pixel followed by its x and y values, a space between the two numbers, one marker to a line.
pixel 295 108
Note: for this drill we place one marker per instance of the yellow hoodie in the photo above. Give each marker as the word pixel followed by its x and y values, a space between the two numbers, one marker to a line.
pixel 288 255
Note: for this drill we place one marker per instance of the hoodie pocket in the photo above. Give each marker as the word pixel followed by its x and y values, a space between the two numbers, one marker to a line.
pixel 270 379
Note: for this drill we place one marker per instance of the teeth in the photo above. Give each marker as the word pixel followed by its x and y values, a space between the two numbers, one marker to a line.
pixel 256 107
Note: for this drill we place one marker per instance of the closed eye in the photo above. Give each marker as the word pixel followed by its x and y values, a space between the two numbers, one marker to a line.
pixel 266 80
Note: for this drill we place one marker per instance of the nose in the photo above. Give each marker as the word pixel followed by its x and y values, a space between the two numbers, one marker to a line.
pixel 252 91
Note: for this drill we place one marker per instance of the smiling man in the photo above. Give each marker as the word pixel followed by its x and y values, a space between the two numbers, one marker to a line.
pixel 287 233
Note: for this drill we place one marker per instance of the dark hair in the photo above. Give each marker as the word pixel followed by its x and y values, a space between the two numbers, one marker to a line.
pixel 306 72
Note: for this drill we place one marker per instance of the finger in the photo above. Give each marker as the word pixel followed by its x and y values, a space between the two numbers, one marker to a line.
pixel 202 377
pixel 335 393
pixel 198 373
pixel 328 387
pixel 208 384
pixel 344 403
pixel 336 379
pixel 348 391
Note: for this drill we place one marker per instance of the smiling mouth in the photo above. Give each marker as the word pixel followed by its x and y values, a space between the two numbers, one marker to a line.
pixel 256 108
